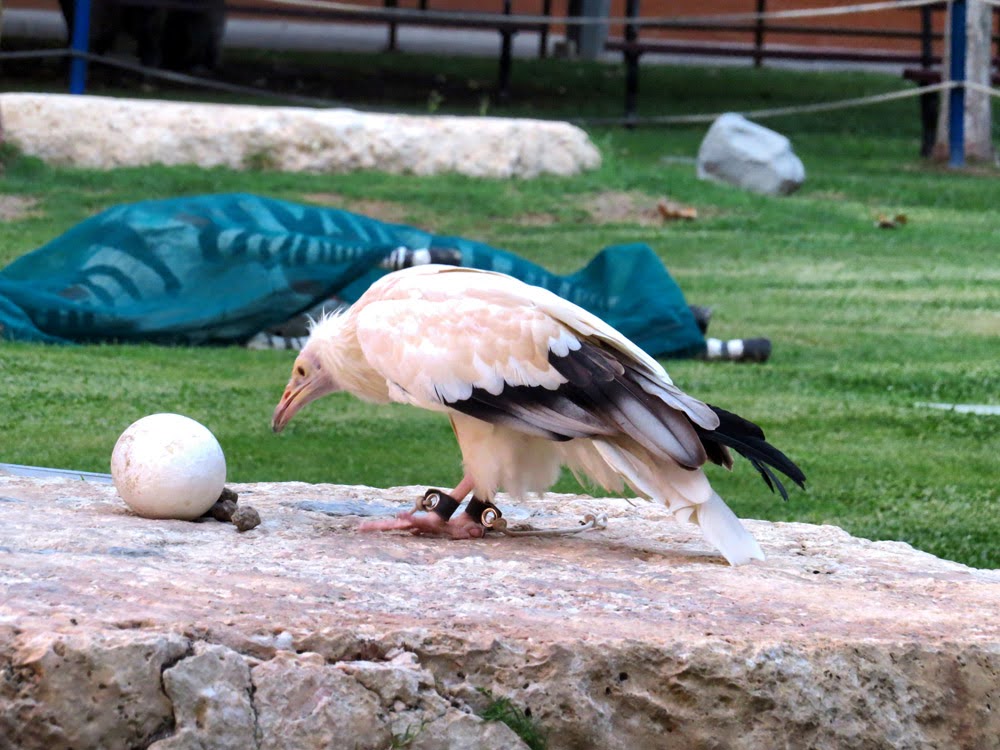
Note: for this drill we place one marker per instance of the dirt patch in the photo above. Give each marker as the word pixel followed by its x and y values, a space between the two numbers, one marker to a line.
pixel 620 207
pixel 388 211
pixel 934 166
pixel 828 195
pixel 610 207
pixel 974 322
pixel 14 207
pixel 536 220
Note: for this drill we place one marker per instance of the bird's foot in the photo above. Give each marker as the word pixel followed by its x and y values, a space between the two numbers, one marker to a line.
pixel 433 515
pixel 418 522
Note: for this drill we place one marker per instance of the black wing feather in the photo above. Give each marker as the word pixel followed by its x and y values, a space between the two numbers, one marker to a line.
pixel 747 439
pixel 596 402
pixel 600 399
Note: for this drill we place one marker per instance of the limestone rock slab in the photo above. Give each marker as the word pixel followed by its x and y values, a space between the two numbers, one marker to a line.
pixel 210 694
pixel 461 731
pixel 302 703
pixel 637 636
pixel 104 132
pixel 66 691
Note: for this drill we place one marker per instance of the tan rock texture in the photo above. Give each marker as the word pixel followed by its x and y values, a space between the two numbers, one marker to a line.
pixel 122 632
pixel 104 132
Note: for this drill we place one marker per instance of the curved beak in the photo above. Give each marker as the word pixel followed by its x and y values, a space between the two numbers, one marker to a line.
pixel 308 383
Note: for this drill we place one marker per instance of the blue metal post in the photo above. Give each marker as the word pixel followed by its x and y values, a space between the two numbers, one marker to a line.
pixel 956 97
pixel 79 43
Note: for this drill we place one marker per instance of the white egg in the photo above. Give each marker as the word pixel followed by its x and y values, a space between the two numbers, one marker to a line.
pixel 168 466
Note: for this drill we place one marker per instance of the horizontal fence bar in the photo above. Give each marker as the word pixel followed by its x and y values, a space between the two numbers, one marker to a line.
pixel 783 53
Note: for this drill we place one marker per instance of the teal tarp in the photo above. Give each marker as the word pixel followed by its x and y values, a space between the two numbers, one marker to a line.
pixel 218 269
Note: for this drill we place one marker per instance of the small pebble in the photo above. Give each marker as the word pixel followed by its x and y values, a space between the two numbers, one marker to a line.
pixel 223 510
pixel 225 506
pixel 228 494
pixel 245 518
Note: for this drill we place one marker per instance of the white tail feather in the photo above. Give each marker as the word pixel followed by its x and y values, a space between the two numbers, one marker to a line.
pixel 722 529
pixel 686 493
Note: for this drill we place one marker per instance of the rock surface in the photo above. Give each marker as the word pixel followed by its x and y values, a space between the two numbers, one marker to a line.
pixel 121 632
pixel 743 153
pixel 93 131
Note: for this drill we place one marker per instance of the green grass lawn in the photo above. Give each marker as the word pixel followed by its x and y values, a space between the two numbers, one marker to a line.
pixel 866 322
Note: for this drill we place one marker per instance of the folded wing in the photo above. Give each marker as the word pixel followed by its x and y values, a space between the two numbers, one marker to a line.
pixel 493 348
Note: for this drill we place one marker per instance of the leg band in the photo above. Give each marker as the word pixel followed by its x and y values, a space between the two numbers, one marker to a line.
pixel 484 512
pixel 440 502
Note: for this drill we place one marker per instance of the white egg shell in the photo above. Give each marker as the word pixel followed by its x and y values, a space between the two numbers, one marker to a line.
pixel 168 466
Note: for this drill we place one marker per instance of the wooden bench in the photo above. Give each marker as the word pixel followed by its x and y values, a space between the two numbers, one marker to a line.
pixel 468 20
pixel 420 15
pixel 632 48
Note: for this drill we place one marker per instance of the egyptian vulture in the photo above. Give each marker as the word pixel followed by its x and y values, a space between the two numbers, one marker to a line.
pixel 530 383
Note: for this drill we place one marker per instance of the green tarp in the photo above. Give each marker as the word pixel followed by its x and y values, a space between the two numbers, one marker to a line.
pixel 218 269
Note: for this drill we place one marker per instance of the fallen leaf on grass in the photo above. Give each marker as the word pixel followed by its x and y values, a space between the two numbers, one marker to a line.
pixel 672 211
pixel 890 222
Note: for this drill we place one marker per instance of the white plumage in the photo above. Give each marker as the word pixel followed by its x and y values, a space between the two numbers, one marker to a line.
pixel 532 382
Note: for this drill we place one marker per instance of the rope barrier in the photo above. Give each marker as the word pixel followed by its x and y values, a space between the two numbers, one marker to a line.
pixel 692 119
pixel 34 54
pixel 981 89
pixel 760 114
pixel 173 76
pixel 401 14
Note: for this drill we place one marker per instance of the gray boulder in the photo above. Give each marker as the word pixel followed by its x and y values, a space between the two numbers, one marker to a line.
pixel 743 153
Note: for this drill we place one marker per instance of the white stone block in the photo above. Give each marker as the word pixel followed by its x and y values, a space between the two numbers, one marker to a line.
pixel 104 132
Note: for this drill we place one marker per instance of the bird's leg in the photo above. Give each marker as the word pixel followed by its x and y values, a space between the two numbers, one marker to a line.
pixel 464 488
pixel 437 519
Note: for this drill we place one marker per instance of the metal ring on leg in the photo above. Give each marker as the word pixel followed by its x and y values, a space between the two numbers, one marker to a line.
pixel 486 514
pixel 439 502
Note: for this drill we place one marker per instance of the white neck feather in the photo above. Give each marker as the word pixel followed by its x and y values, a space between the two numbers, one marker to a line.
pixel 333 342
